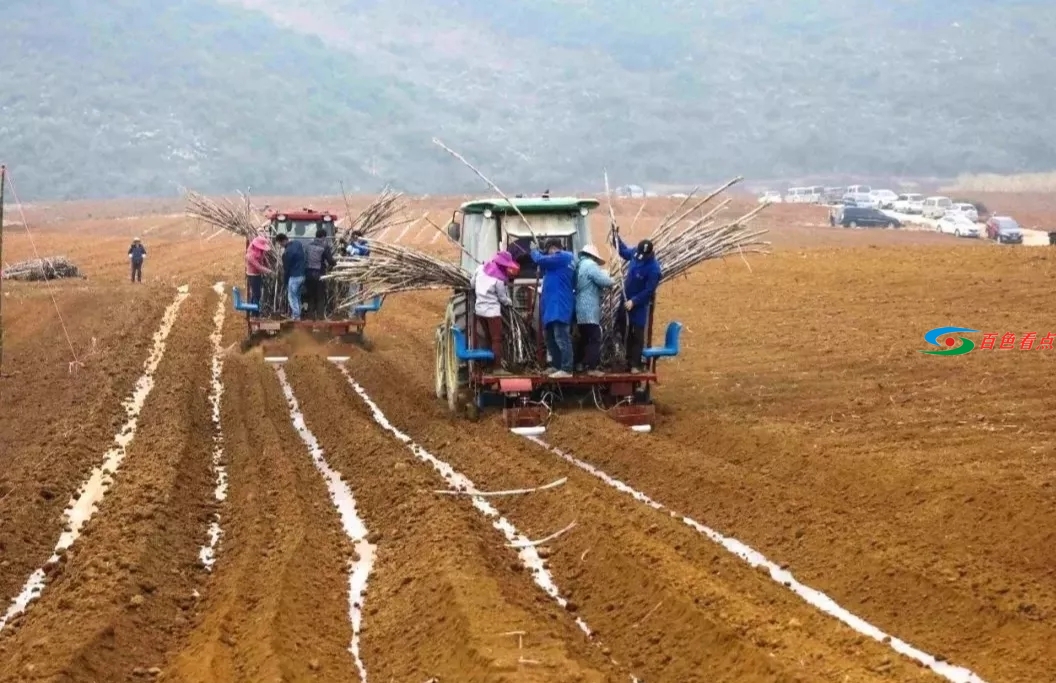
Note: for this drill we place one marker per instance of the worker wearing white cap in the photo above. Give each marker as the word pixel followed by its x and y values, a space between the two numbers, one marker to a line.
pixel 136 253
pixel 590 281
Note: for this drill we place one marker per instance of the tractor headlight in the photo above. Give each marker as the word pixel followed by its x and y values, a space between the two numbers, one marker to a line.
pixel 281 217
pixel 487 213
pixel 583 211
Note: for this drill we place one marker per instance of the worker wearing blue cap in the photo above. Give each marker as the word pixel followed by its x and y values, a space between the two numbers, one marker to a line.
pixel 643 277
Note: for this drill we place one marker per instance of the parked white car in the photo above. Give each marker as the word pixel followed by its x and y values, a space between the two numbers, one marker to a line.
pixel 804 195
pixel 966 210
pixel 770 197
pixel 935 207
pixel 859 194
pixel 885 198
pixel 909 203
pixel 958 224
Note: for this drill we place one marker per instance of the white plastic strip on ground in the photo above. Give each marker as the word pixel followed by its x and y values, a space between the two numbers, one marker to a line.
pixel 208 552
pixel 345 503
pixel 456 480
pixel 98 483
pixel 814 597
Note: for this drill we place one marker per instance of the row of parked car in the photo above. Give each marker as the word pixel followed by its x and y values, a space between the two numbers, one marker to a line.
pixel 864 196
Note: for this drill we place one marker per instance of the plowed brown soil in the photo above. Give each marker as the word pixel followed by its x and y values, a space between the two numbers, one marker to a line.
pixel 276 606
pixel 445 598
pixel 118 600
pixel 800 418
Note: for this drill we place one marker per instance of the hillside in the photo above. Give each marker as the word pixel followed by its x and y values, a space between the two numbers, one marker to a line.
pixel 289 96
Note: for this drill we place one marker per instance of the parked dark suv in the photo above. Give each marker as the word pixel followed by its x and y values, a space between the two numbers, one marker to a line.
pixel 854 216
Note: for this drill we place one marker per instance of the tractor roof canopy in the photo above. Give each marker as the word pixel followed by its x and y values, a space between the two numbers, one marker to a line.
pixel 530 205
pixel 301 215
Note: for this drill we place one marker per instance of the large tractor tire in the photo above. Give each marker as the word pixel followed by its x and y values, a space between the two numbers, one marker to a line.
pixel 441 361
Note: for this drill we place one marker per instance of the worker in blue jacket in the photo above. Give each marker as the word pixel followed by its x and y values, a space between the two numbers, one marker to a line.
pixel 557 304
pixel 294 269
pixel 643 277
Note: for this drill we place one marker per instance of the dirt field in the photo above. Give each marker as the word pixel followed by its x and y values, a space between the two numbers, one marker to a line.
pixel 916 492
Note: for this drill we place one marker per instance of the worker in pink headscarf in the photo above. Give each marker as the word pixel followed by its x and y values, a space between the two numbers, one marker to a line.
pixel 255 268
pixel 489 285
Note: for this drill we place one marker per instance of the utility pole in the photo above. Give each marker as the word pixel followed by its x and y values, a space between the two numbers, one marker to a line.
pixel 3 179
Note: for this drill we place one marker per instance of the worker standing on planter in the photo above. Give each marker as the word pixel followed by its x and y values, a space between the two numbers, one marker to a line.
pixel 490 295
pixel 293 267
pixel 590 281
pixel 319 260
pixel 557 303
pixel 136 253
pixel 643 277
pixel 255 269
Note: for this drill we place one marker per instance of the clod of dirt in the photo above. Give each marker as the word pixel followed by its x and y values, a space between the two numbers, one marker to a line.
pixel 47 494
pixel 154 671
pixel 794 623
pixel 314 665
pixel 137 601
pixel 544 552
pixel 571 606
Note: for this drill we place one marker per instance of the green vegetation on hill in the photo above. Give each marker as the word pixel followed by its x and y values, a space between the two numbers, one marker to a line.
pixel 290 96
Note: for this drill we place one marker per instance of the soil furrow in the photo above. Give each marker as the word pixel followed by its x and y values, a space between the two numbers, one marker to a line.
pixel 116 600
pixel 669 604
pixel 445 597
pixel 54 424
pixel 275 607
pixel 817 532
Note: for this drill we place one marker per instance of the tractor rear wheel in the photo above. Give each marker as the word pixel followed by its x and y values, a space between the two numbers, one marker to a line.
pixel 451 373
pixel 440 379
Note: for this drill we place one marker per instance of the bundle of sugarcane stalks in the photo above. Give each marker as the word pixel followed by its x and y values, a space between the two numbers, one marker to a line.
pixel 241 218
pixel 384 212
pixel 392 269
pixel 685 238
pixel 35 270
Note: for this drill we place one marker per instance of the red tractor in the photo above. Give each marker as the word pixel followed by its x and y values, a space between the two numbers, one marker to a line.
pixel 271 315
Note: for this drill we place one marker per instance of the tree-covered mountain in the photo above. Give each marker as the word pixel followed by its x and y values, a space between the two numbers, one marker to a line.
pixel 287 96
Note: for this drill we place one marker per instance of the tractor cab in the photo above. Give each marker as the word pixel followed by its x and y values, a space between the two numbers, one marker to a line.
pixel 300 225
pixel 489 226
pixel 492 225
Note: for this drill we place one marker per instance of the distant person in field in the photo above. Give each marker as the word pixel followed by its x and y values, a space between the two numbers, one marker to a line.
pixel 643 277
pixel 293 272
pixel 356 247
pixel 489 286
pixel 319 260
pixel 136 253
pixel 591 280
pixel 557 305
pixel 256 270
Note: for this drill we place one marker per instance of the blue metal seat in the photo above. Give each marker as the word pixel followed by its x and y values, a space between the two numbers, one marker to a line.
pixel 373 307
pixel 464 353
pixel 671 345
pixel 240 305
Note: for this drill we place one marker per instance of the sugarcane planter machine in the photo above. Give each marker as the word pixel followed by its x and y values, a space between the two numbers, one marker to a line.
pixel 270 319
pixel 527 396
